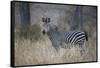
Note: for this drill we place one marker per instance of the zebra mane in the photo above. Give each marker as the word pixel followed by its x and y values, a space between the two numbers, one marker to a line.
pixel 53 27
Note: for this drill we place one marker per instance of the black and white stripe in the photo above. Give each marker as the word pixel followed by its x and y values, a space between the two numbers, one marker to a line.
pixel 70 38
pixel 74 38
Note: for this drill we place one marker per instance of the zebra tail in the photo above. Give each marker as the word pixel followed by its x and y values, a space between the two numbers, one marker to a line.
pixel 86 35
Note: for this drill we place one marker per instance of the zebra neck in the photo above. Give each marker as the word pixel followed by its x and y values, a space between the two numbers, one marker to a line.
pixel 53 33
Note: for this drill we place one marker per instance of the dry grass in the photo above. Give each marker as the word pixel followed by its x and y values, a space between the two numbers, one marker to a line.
pixel 40 51
pixel 33 48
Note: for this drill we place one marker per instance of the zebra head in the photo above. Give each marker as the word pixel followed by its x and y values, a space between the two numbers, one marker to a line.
pixel 46 24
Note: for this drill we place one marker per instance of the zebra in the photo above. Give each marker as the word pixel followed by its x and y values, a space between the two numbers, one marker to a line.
pixel 58 37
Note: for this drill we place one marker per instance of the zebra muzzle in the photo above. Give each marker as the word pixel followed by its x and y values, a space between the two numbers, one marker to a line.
pixel 43 32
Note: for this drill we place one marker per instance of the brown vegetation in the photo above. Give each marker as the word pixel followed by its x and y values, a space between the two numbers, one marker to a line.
pixel 37 49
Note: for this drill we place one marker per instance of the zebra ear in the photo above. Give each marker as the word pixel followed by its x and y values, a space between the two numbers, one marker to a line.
pixel 46 20
pixel 43 19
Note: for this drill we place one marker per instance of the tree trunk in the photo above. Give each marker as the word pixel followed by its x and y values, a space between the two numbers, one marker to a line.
pixel 77 22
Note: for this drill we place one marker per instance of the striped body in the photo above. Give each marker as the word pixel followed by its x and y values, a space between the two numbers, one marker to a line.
pixel 70 38
pixel 58 37
pixel 73 37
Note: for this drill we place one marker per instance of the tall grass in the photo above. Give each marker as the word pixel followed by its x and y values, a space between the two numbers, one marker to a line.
pixel 36 48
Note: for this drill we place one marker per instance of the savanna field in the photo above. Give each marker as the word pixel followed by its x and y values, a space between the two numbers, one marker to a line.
pixel 33 48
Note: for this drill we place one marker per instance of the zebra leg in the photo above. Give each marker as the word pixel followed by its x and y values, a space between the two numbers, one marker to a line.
pixel 67 45
pixel 55 45
pixel 56 48
pixel 82 48
pixel 63 45
pixel 85 48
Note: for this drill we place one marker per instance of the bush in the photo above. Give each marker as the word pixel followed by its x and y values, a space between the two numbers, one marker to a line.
pixel 33 32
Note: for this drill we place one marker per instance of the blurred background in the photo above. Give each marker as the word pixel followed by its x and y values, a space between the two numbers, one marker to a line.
pixel 32 47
